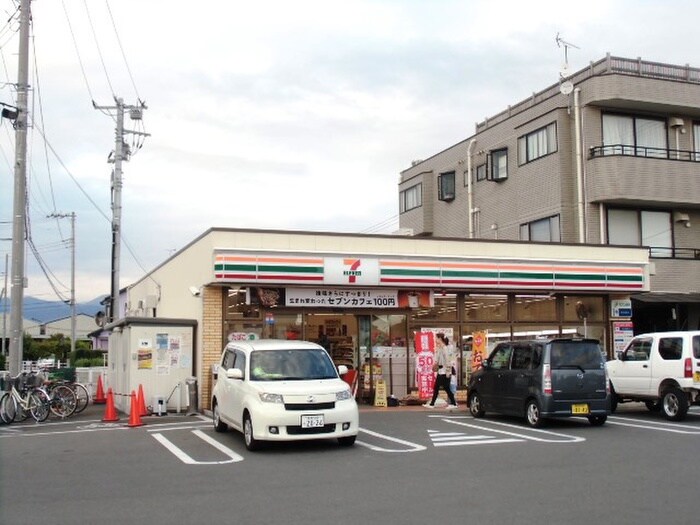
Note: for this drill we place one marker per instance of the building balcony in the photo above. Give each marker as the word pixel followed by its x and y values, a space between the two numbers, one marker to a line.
pixel 633 175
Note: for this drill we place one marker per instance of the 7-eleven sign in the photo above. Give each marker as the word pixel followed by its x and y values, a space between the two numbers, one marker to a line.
pixel 362 271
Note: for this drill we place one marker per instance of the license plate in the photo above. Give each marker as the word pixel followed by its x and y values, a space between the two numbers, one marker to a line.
pixel 312 421
pixel 579 409
pixel 696 377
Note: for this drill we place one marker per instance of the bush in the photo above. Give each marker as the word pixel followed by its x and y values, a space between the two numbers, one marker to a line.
pixel 84 362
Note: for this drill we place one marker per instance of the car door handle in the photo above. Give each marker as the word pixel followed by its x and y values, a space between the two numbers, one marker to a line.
pixel 645 366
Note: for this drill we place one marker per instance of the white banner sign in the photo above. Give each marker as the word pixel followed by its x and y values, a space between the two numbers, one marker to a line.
pixel 355 298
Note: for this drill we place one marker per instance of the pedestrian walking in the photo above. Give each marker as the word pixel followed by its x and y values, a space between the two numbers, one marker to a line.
pixel 444 372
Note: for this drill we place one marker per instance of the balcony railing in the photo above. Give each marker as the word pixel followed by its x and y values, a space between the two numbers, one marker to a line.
pixel 674 253
pixel 626 150
pixel 608 65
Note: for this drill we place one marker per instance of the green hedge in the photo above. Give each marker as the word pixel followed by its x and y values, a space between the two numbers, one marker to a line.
pixel 84 362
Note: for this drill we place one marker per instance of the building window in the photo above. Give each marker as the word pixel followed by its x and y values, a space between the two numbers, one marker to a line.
pixel 696 141
pixel 481 172
pixel 446 186
pixel 543 230
pixel 537 144
pixel 641 228
pixel 411 198
pixel 636 136
pixel 499 164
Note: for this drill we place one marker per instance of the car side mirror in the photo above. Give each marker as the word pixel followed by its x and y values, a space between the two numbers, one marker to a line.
pixel 342 370
pixel 234 373
pixel 486 363
pixel 215 370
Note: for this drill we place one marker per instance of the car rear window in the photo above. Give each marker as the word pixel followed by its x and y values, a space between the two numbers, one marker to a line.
pixel 696 346
pixel 567 354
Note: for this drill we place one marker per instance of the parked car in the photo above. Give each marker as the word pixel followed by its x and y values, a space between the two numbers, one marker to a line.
pixel 661 369
pixel 542 379
pixel 278 390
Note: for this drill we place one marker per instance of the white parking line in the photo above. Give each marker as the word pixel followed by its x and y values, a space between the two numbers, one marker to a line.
pixel 454 439
pixel 661 426
pixel 185 458
pixel 566 438
pixel 413 447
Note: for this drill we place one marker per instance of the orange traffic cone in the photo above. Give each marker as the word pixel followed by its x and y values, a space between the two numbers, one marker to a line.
pixel 143 411
pixel 110 411
pixel 134 416
pixel 100 395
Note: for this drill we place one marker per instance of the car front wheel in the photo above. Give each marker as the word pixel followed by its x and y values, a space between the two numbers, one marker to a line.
pixel 250 442
pixel 532 414
pixel 346 441
pixel 475 408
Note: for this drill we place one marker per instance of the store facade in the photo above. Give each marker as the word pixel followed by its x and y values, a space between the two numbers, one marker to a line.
pixel 366 297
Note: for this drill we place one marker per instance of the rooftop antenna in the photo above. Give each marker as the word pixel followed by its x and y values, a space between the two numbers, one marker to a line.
pixel 564 72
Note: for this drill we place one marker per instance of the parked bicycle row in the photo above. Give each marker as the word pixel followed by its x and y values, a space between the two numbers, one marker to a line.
pixel 36 395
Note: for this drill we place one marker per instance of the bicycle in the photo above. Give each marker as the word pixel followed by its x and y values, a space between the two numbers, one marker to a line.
pixel 63 400
pixel 66 377
pixel 28 399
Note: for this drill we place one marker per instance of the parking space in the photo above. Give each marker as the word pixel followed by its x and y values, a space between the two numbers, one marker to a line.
pixel 192 441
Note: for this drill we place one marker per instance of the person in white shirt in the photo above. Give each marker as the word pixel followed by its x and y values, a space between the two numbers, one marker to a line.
pixel 444 372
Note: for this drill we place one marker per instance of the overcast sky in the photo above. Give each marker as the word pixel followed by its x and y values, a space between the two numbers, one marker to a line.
pixel 274 114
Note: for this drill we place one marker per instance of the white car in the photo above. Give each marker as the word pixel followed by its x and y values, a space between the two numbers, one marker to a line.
pixel 277 390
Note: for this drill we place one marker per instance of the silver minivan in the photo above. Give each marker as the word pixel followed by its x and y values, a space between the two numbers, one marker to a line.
pixel 543 379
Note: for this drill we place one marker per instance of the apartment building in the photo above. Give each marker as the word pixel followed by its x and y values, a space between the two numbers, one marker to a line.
pixel 608 155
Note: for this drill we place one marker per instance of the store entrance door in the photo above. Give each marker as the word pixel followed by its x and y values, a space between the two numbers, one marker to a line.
pixel 337 333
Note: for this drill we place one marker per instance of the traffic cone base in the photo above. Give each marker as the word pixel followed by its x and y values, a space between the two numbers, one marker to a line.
pixel 134 416
pixel 141 403
pixel 110 411
pixel 100 394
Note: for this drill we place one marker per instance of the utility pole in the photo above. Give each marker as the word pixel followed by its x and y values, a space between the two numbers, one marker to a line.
pixel 4 311
pixel 122 152
pixel 72 273
pixel 19 232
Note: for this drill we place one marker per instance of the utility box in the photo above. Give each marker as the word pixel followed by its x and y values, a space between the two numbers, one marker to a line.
pixel 155 353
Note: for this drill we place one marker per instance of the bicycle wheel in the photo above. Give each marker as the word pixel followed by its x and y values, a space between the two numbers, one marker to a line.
pixel 39 404
pixel 82 396
pixel 7 409
pixel 62 401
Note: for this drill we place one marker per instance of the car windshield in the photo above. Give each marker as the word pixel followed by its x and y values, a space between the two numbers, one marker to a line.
pixel 291 365
pixel 570 354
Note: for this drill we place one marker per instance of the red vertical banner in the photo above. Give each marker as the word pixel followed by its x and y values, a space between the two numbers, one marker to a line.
pixel 479 349
pixel 425 351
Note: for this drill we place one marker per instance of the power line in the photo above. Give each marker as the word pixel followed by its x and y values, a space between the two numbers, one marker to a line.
pixel 99 50
pixel 121 48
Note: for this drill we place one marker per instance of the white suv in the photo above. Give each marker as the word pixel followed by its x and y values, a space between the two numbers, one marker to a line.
pixel 277 390
pixel 661 369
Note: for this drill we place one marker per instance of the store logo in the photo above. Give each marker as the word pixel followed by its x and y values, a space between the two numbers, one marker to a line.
pixel 353 273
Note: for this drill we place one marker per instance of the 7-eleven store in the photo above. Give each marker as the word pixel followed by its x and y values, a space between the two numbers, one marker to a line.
pixel 366 296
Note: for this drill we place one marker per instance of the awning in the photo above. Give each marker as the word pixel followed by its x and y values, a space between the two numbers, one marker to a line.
pixel 666 297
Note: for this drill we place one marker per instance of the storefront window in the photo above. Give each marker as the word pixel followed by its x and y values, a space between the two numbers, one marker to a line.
pixel 389 354
pixel 238 305
pixel 537 308
pixel 483 307
pixel 579 307
pixel 589 331
pixel 445 309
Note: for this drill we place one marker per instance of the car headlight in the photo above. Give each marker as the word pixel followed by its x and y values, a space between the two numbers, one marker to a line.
pixel 266 397
pixel 343 395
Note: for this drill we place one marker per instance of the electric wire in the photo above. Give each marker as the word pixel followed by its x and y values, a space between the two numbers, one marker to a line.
pixel 99 50
pixel 121 48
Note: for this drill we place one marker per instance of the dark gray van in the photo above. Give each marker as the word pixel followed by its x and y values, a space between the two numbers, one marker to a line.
pixel 542 379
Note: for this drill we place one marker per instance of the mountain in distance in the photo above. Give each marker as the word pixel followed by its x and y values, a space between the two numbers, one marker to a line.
pixel 44 311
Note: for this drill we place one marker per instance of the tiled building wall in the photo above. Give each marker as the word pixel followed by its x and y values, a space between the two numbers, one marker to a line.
pixel 212 339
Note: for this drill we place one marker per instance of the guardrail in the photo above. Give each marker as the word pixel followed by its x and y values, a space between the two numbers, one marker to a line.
pixel 626 150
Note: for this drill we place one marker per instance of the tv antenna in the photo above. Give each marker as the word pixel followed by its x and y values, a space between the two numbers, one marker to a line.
pixel 564 72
